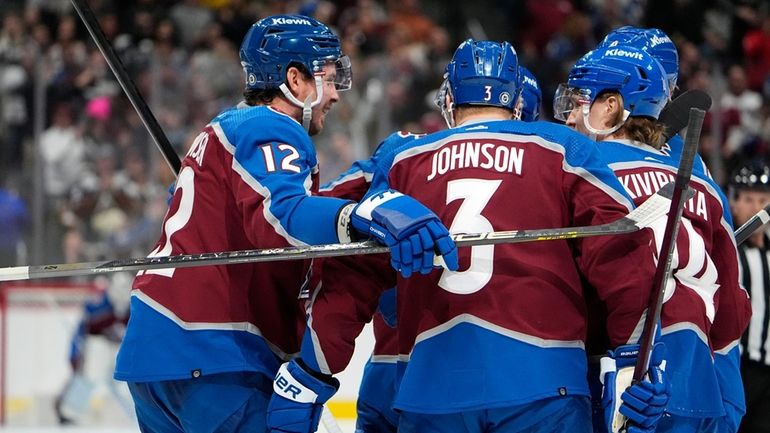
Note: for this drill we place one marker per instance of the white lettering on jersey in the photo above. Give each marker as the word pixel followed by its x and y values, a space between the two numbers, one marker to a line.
pixel 619 52
pixel 198 148
pixel 287 161
pixel 502 159
pixel 185 185
pixel 297 21
pixel 648 183
pixel 474 195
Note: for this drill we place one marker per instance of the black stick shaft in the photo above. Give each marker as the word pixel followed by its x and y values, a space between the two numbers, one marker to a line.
pixel 663 269
pixel 152 125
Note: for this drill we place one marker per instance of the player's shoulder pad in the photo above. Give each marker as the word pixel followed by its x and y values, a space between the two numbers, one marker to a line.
pixel 576 146
pixel 401 141
pixel 394 141
pixel 263 124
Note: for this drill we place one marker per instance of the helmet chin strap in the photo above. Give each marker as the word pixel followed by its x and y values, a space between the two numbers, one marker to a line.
pixel 307 106
pixel 449 115
pixel 594 133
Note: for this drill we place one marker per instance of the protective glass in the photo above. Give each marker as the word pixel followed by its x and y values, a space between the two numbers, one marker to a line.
pixel 566 99
pixel 344 78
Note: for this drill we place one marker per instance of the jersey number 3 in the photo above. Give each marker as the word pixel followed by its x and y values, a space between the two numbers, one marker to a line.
pixel 475 195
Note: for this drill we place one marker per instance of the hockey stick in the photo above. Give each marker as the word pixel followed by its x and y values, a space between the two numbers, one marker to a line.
pixel 663 269
pixel 675 115
pixel 753 224
pixel 149 120
pixel 674 118
pixel 644 215
pixel 329 422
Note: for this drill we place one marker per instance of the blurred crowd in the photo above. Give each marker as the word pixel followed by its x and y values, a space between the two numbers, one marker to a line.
pixel 68 132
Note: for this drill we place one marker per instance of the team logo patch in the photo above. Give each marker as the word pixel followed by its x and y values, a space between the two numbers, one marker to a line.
pixel 505 98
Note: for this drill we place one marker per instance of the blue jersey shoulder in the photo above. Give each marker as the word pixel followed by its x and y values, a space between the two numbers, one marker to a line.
pixel 579 152
pixel 575 147
pixel 366 167
pixel 252 126
pixel 670 155
pixel 699 169
pixel 394 141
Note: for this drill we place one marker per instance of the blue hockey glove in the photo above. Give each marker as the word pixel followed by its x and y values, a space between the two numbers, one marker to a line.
pixel 411 230
pixel 298 399
pixel 387 307
pixel 642 403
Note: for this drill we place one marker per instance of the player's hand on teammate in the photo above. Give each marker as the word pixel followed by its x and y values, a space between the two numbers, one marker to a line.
pixel 412 231
pixel 298 398
pixel 387 307
pixel 643 403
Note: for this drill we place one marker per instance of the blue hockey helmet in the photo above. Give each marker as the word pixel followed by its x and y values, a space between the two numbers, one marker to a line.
pixel 633 73
pixel 274 43
pixel 530 94
pixel 484 73
pixel 652 40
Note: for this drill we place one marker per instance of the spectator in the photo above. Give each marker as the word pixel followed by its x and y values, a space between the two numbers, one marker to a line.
pixel 13 216
pixel 756 50
pixel 15 45
pixel 744 104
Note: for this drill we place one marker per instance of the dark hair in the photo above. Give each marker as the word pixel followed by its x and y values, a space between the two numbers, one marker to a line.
pixel 255 97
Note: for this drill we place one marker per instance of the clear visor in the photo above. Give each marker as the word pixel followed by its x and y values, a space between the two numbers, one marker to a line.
pixel 441 102
pixel 344 78
pixel 566 99
pixel 440 99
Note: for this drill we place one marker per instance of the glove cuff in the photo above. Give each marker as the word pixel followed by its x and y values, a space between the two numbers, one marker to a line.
pixel 345 232
pixel 294 383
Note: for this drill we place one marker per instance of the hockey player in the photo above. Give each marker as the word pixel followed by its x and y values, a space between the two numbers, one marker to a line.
pixel 615 94
pixel 374 406
pixel 203 344
pixel 374 412
pixel 474 348
pixel 726 358
pixel 102 325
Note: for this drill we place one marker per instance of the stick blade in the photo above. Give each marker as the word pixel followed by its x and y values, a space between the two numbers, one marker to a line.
pixel 656 206
pixel 676 114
